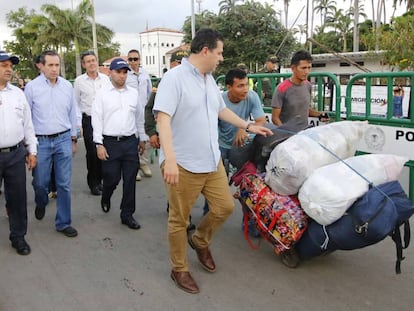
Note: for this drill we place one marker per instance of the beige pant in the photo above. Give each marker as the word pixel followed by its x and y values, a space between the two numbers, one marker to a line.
pixel 214 187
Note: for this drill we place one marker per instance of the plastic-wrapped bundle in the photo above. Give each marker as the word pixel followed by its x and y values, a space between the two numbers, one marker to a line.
pixel 330 190
pixel 293 160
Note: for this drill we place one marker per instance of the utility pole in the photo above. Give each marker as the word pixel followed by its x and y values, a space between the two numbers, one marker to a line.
pixel 95 42
pixel 192 20
pixel 356 26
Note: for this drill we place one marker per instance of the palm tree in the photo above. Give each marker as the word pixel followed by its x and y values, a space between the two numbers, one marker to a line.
pixel 73 25
pixel 227 5
pixel 356 10
pixel 410 3
pixel 341 22
pixel 302 30
pixel 324 8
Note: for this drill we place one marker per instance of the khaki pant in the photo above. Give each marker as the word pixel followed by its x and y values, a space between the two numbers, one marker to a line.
pixel 214 187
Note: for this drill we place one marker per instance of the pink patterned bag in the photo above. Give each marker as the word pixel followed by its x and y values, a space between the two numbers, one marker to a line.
pixel 279 218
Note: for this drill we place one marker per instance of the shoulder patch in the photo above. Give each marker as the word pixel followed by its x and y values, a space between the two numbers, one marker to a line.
pixel 284 86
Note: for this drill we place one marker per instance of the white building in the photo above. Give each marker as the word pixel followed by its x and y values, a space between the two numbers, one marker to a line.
pixel 338 65
pixel 154 45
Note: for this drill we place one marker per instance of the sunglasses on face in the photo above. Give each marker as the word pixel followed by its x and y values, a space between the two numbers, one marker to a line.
pixel 133 59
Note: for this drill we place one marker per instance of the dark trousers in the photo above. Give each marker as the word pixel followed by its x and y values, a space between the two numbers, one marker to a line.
pixel 13 173
pixel 93 164
pixel 123 160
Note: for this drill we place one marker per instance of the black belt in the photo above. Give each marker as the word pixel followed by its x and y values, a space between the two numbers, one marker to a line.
pixel 118 138
pixel 52 135
pixel 10 149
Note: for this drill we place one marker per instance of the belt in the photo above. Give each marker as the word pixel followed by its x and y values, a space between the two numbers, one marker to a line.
pixel 52 135
pixel 10 149
pixel 118 138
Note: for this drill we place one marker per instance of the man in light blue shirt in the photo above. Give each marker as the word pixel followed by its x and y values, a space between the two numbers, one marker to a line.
pixel 54 112
pixel 243 102
pixel 188 105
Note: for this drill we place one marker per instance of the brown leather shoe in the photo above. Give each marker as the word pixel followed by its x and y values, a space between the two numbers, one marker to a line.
pixel 204 256
pixel 185 281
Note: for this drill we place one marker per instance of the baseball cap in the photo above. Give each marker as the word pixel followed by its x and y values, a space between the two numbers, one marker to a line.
pixel 178 56
pixel 5 56
pixel 119 63
pixel 272 58
pixel 242 66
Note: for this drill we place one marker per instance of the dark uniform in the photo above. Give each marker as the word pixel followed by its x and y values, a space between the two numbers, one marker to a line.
pixel 17 133
pixel 267 91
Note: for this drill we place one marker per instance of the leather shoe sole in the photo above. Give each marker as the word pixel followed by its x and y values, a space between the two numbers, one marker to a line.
pixel 204 256
pixel 40 212
pixel 131 223
pixel 185 281
pixel 21 246
pixel 70 232
pixel 106 206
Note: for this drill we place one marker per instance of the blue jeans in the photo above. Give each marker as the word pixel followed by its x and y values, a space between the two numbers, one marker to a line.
pixel 56 150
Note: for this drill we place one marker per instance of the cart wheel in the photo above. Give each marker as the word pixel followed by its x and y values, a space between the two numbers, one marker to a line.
pixel 290 258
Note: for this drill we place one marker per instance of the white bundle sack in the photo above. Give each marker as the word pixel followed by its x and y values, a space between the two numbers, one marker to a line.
pixel 292 161
pixel 330 190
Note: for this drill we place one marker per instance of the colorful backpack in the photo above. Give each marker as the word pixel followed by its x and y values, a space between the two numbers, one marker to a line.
pixel 278 218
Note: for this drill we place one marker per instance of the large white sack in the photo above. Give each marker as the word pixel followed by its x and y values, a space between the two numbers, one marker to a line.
pixel 292 161
pixel 330 190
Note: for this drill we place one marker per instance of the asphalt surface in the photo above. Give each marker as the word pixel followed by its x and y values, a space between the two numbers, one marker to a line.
pixel 110 267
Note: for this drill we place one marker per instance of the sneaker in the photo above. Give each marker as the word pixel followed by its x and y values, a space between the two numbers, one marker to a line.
pixel 145 170
pixel 138 178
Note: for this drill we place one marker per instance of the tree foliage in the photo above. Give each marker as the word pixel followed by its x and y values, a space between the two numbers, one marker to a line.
pixel 397 40
pixel 251 32
pixel 68 31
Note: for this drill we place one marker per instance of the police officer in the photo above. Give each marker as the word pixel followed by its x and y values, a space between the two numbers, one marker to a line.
pixel 271 66
pixel 17 132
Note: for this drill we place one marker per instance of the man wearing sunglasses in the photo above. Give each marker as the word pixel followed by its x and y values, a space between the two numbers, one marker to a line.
pixel 139 79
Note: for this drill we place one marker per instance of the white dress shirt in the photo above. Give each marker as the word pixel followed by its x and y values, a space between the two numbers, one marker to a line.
pixel 117 112
pixel 16 119
pixel 85 89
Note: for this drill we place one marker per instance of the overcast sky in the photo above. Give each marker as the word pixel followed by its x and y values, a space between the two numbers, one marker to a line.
pixel 127 18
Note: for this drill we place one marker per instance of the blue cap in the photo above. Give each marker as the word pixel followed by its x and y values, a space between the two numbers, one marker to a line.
pixel 119 63
pixel 5 56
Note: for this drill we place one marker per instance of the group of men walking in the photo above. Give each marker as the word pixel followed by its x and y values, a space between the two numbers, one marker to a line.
pixel 196 127
pixel 40 127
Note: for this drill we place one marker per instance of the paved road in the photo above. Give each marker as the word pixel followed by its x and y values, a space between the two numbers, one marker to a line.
pixel 110 267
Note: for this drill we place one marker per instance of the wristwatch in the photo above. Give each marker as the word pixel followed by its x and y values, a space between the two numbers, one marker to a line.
pixel 247 128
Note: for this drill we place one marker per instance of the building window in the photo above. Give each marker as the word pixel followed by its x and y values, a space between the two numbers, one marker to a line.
pixel 319 65
pixel 162 44
pixel 168 44
pixel 153 59
pixel 344 64
pixel 172 44
pixel 146 60
pixel 163 60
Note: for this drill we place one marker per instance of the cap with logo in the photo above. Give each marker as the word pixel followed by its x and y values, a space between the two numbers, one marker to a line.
pixel 242 66
pixel 5 56
pixel 119 63
pixel 178 56
pixel 272 58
